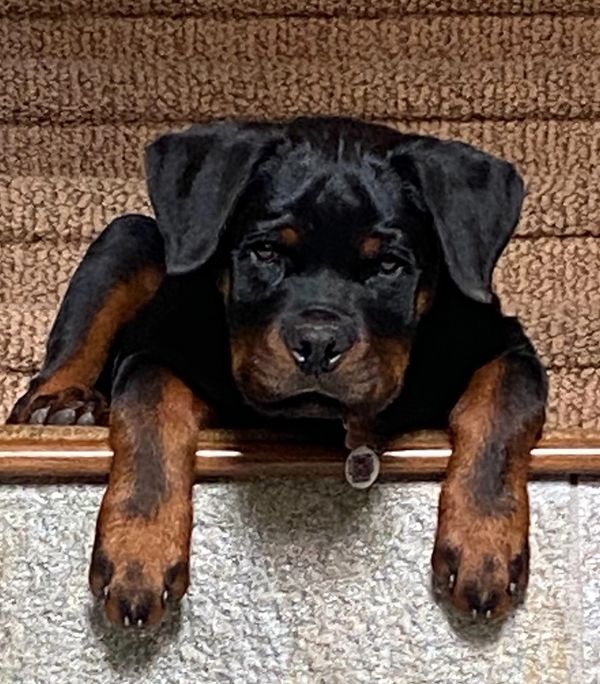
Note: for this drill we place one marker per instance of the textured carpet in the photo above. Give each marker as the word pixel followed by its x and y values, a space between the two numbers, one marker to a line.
pixel 298 583
pixel 84 85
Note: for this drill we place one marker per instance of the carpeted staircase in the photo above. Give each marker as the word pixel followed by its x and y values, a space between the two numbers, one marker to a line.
pixel 83 87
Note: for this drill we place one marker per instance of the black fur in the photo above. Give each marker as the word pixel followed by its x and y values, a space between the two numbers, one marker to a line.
pixel 443 210
pixel 137 388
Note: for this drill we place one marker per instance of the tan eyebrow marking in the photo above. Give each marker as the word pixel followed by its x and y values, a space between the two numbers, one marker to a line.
pixel 289 236
pixel 423 301
pixel 370 246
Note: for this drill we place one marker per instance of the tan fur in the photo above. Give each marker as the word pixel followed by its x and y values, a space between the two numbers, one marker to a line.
pixel 371 373
pixel 123 302
pixel 423 302
pixel 486 540
pixel 289 236
pixel 161 541
pixel 370 246
pixel 224 284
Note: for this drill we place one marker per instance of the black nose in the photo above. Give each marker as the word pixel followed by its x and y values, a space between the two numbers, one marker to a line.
pixel 318 341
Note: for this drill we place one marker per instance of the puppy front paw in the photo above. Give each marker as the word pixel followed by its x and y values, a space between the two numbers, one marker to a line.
pixel 77 405
pixel 141 563
pixel 480 560
pixel 137 577
pixel 136 587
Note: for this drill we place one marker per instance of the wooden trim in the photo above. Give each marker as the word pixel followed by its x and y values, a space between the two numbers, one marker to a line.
pixel 46 454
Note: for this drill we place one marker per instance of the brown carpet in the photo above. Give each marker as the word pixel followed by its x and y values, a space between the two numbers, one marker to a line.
pixel 84 85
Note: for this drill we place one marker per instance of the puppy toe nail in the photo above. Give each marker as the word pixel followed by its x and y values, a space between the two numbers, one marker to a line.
pixel 451 581
pixel 165 596
pixel 474 613
pixel 488 614
pixel 63 417
pixel 85 419
pixel 38 417
pixel 140 623
pixel 126 621
pixel 512 588
pixel 106 593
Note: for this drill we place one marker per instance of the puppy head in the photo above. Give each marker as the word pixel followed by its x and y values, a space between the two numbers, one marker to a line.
pixel 330 235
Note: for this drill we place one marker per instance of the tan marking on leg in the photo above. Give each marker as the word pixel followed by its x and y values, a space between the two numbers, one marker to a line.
pixel 157 544
pixel 479 542
pixel 120 306
pixel 472 417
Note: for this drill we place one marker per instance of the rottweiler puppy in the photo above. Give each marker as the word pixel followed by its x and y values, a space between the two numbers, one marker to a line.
pixel 320 269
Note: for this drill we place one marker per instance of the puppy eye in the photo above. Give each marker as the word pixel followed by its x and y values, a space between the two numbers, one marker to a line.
pixel 265 251
pixel 390 265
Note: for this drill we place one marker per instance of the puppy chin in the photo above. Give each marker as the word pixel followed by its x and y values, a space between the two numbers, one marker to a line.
pixel 294 396
pixel 304 405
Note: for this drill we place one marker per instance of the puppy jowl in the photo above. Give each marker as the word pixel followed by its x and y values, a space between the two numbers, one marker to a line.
pixel 322 269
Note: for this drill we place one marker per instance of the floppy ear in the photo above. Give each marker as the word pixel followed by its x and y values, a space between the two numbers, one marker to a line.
pixel 195 179
pixel 475 201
